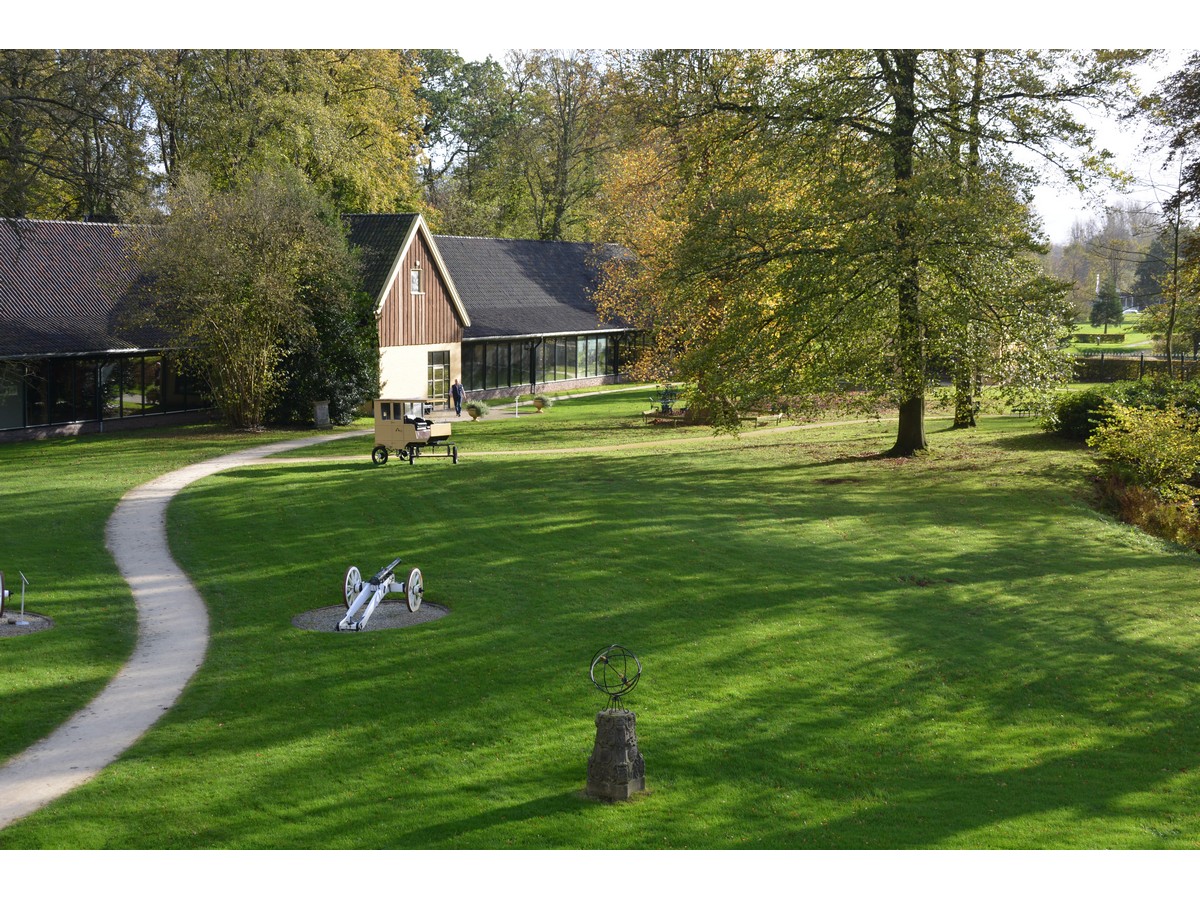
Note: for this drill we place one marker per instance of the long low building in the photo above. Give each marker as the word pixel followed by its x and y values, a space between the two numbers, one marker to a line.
pixel 505 316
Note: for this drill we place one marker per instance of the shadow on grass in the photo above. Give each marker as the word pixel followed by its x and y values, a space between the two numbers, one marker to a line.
pixel 881 656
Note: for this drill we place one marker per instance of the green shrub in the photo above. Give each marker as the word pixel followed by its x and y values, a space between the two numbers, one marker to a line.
pixel 1151 448
pixel 478 407
pixel 1075 415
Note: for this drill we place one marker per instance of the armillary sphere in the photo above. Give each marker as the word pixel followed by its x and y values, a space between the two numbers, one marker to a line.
pixel 615 671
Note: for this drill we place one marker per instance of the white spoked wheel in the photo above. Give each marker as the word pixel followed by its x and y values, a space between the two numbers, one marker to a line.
pixel 352 585
pixel 414 590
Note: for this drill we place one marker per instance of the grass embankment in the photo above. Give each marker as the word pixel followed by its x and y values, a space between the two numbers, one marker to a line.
pixel 55 499
pixel 839 651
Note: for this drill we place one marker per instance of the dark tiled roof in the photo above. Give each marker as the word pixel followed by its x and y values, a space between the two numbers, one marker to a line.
pixel 380 237
pixel 512 287
pixel 62 288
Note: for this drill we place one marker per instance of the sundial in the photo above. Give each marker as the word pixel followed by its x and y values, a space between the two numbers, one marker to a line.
pixel 615 671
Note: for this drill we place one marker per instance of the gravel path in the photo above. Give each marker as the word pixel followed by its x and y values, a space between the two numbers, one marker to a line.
pixel 172 638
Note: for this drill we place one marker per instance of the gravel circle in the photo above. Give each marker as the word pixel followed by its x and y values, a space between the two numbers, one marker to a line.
pixel 388 614
pixel 10 628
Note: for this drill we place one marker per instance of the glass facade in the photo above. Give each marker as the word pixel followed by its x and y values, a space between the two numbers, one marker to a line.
pixel 490 365
pixel 59 391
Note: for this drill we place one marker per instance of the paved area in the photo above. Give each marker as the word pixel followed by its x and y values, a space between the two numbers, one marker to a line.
pixel 172 638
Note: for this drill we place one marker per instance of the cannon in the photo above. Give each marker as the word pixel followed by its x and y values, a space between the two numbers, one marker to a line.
pixel 402 427
pixel 363 596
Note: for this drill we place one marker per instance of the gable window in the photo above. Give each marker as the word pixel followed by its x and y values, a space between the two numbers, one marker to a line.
pixel 414 282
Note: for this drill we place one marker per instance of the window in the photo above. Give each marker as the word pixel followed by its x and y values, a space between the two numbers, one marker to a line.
pixel 439 375
pixel 414 281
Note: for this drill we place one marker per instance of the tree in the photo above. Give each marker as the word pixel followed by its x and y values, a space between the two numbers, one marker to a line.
pixel 809 227
pixel 1107 308
pixel 469 111
pixel 348 119
pixel 71 133
pixel 1152 270
pixel 241 277
pixel 1175 109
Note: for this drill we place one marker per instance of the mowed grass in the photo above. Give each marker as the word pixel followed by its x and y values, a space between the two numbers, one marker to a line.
pixel 608 418
pixel 840 651
pixel 55 498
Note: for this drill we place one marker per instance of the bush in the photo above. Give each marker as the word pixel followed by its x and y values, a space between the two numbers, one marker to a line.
pixel 1075 415
pixel 1158 449
pixel 1173 520
pixel 477 407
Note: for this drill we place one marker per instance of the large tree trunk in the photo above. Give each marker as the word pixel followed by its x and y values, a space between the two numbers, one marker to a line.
pixel 910 433
pixel 900 73
pixel 964 396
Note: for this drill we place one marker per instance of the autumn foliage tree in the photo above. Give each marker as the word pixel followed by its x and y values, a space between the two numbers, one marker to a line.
pixel 808 222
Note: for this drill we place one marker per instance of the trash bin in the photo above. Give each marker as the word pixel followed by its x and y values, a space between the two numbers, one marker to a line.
pixel 321 414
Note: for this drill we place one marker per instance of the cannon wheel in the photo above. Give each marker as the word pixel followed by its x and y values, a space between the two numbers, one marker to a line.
pixel 352 585
pixel 379 455
pixel 414 590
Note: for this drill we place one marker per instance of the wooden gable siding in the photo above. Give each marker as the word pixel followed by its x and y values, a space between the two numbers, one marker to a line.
pixel 427 318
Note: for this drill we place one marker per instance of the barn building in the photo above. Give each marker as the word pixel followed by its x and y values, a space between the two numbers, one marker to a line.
pixel 505 316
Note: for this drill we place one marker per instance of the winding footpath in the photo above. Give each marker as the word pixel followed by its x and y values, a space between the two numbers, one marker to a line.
pixel 172 636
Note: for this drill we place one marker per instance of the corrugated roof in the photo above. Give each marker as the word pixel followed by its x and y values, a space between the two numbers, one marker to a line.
pixel 62 287
pixel 516 287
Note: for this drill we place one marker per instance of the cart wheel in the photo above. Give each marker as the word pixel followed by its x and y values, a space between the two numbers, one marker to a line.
pixel 379 455
pixel 454 454
pixel 352 585
pixel 403 454
pixel 414 590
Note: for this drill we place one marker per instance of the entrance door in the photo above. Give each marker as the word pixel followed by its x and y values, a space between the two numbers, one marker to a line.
pixel 439 376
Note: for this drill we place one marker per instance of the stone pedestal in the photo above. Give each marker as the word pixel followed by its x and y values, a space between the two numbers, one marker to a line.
pixel 616 770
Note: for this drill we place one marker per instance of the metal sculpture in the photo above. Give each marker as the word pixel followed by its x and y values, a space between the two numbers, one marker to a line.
pixel 362 598
pixel 615 671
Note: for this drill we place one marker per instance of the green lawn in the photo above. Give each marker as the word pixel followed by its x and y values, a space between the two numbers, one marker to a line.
pixel 840 651
pixel 55 498
pixel 1134 339
pixel 608 418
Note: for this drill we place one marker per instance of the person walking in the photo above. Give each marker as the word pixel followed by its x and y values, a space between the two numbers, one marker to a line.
pixel 456 394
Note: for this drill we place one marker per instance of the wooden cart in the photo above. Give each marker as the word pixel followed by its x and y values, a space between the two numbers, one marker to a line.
pixel 401 427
